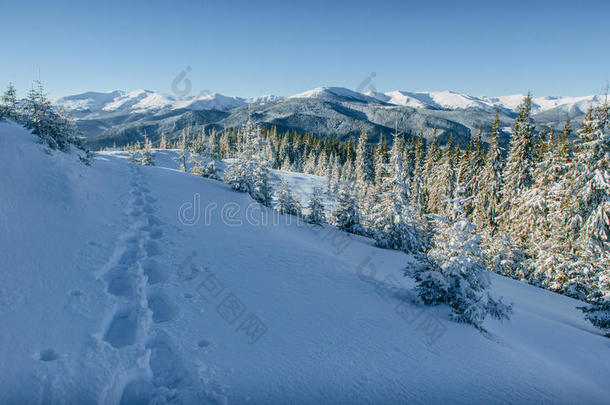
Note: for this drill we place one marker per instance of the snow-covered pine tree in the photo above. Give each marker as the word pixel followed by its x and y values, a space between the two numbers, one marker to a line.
pixel 364 168
pixel 393 223
pixel 147 155
pixel 457 273
pixel 433 158
pixel 213 147
pixel 132 154
pixel 286 201
pixel 249 171
pixel 163 142
pixel 442 181
pixel 487 197
pixel 310 163
pixel 182 152
pixel 589 218
pixel 8 103
pixel 330 176
pixel 316 215
pixel 472 164
pixel 54 126
pixel 346 216
pixel 417 180
pixel 591 182
pixel 520 165
pixel 260 189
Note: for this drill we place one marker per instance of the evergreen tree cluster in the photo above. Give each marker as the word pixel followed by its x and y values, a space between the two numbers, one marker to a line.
pixel 53 125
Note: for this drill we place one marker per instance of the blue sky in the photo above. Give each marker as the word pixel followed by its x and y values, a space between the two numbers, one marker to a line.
pixel 252 48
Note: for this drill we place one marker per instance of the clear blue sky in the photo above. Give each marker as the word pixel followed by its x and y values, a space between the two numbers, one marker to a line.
pixel 249 48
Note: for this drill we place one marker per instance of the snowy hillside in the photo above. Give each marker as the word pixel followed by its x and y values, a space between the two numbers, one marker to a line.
pixel 124 284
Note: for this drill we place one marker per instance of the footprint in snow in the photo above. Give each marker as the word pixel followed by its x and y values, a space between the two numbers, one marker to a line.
pixel 204 343
pixel 129 256
pixel 154 271
pixel 137 392
pixel 156 233
pixel 152 220
pixel 166 367
pixel 152 248
pixel 123 328
pixel 119 282
pixel 161 309
pixel 48 355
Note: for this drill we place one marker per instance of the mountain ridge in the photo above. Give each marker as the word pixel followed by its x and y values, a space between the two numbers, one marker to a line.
pixel 119 117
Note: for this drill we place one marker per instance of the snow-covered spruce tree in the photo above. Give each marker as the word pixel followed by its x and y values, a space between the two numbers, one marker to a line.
pixel 442 182
pixel 249 172
pixel 346 216
pixel 132 154
pixel 591 182
pixel 433 158
pixel 182 152
pixel 364 168
pixel 487 197
pixel 286 201
pixel 316 215
pixel 163 142
pixel 309 167
pixel 147 155
pixel 54 126
pixel 393 223
pixel 330 177
pixel 261 190
pixel 520 165
pixel 542 209
pixel 8 103
pixel 197 154
pixel 590 215
pixel 457 274
pixel 417 180
pixel 469 169
pixel 210 170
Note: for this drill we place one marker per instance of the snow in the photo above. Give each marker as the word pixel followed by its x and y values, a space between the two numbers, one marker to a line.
pixel 212 101
pixel 334 93
pixel 90 101
pixel 267 98
pixel 108 283
pixel 146 100
pixel 137 100
pixel 452 101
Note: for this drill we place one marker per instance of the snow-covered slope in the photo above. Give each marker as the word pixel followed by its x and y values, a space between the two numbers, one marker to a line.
pixel 335 93
pixel 123 284
pixel 90 101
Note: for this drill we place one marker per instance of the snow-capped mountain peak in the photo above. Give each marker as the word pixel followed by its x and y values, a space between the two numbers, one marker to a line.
pixel 334 93
pixel 149 101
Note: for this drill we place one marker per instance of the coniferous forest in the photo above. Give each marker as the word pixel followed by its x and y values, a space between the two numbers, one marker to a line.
pixel 537 210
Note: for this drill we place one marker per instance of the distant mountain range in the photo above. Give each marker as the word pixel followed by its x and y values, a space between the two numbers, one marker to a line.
pixel 119 117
